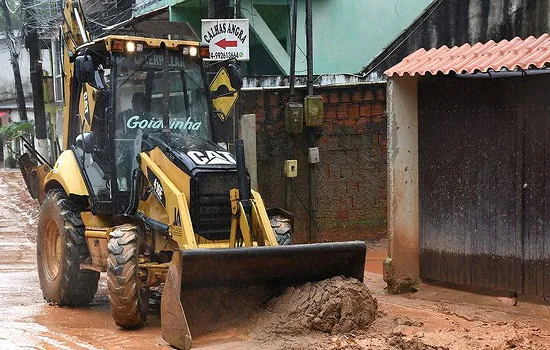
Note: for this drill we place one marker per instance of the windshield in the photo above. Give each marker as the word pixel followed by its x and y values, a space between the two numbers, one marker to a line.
pixel 140 100
pixel 139 89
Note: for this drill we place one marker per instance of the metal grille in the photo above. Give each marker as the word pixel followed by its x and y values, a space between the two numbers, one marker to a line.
pixel 210 203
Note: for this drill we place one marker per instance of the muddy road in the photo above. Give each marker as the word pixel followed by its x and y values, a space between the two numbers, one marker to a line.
pixel 433 318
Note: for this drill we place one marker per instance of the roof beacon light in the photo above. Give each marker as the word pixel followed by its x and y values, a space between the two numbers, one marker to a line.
pixel 130 46
pixel 117 46
pixel 204 51
pixel 193 51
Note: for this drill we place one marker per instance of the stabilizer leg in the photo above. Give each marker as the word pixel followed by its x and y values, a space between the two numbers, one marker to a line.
pixel 175 329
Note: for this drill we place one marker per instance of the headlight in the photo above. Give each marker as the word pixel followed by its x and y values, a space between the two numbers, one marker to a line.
pixel 130 46
pixel 193 51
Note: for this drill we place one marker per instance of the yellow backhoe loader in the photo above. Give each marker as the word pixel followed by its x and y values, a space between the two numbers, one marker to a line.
pixel 143 192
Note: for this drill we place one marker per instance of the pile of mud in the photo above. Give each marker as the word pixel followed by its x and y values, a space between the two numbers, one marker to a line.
pixel 336 305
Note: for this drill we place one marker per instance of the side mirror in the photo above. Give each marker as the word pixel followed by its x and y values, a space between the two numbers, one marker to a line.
pixel 235 76
pixel 84 68
pixel 85 141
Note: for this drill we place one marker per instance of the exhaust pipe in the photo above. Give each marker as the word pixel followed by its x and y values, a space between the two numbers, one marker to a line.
pixel 242 183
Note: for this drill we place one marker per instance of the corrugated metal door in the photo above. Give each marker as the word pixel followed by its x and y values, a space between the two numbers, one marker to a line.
pixel 484 174
pixel 536 186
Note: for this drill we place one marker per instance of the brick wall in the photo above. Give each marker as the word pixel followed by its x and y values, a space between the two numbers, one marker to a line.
pixel 350 179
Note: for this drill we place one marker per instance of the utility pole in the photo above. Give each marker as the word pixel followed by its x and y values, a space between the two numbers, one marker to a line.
pixel 313 234
pixel 309 46
pixel 33 46
pixel 219 9
pixel 224 130
pixel 14 59
pixel 293 20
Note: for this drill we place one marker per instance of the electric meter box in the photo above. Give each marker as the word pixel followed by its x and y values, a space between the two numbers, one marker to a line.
pixel 313 110
pixel 290 168
pixel 294 117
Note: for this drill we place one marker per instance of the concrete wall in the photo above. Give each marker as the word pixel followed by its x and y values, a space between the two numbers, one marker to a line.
pixel 348 33
pixel 351 176
pixel 402 265
pixel 451 23
pixel 7 83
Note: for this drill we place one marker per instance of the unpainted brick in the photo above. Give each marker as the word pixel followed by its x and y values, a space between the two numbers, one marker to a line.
pixel 357 95
pixel 345 96
pixel 330 145
pixel 357 153
pixel 369 95
pixel 273 99
pixel 377 118
pixel 343 215
pixel 378 108
pixel 342 111
pixel 260 100
pixel 328 126
pixel 352 156
pixel 361 125
pixel 365 109
pixel 346 172
pixel 330 111
pixel 354 110
pixel 344 142
pixel 380 95
pixel 350 123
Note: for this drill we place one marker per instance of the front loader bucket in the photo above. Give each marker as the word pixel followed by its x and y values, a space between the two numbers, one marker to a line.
pixel 208 287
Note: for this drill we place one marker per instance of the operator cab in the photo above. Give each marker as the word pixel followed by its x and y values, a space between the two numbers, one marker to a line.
pixel 126 96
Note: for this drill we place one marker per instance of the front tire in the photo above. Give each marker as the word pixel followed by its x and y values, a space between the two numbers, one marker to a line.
pixel 282 228
pixel 127 297
pixel 61 247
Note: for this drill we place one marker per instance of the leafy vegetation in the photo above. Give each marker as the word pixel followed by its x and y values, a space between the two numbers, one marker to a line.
pixel 15 129
pixel 11 131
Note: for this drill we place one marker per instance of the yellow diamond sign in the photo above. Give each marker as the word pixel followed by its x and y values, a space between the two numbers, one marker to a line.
pixel 224 95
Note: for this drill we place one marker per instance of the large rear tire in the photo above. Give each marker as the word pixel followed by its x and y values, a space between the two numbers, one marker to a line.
pixel 282 229
pixel 61 247
pixel 127 297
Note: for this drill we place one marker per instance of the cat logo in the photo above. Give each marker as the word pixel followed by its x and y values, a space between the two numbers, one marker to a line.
pixel 211 157
pixel 156 187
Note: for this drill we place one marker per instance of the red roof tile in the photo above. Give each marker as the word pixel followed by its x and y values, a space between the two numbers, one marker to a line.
pixel 505 55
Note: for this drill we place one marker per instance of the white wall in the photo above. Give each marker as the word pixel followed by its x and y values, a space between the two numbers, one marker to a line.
pixel 7 82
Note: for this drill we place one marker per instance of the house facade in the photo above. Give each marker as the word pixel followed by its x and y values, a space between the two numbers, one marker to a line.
pixel 345 32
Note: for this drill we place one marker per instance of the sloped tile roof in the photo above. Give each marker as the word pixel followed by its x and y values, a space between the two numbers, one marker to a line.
pixel 529 53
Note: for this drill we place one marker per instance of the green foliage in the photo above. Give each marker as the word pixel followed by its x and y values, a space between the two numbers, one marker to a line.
pixel 15 129
pixel 12 131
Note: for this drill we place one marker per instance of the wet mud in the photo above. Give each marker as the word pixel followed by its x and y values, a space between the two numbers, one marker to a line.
pixel 335 306
pixel 432 318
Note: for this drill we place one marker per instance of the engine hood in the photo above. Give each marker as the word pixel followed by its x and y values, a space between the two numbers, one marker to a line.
pixel 191 153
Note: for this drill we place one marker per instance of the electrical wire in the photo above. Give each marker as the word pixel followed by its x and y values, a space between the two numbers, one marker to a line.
pixel 17 4
pixel 317 227
pixel 46 15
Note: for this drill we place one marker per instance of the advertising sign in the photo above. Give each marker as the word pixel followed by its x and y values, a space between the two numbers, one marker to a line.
pixel 228 38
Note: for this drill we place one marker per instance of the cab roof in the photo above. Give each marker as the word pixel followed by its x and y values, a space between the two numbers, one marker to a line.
pixel 106 42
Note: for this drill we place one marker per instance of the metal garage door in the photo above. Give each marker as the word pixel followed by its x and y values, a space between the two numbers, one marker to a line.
pixel 484 156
